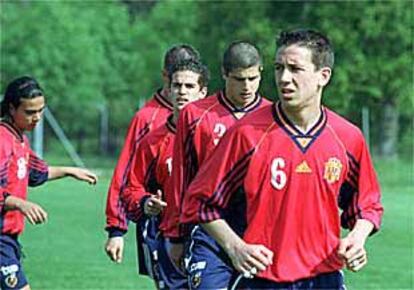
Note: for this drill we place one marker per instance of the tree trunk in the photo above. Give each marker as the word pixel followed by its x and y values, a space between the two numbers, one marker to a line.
pixel 389 128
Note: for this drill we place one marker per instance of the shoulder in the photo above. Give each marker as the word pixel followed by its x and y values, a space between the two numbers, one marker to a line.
pixel 349 134
pixel 7 140
pixel 342 126
pixel 200 106
pixel 254 125
pixel 259 119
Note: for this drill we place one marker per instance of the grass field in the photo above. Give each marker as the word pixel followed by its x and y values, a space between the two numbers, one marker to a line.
pixel 67 252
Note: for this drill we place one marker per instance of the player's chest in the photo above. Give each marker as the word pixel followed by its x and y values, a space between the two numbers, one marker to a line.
pixel 164 161
pixel 287 165
pixel 212 128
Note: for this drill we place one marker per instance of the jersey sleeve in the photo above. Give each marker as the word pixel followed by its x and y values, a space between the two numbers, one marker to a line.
pixel 218 179
pixel 116 222
pixel 5 157
pixel 360 196
pixel 38 170
pixel 184 165
pixel 141 181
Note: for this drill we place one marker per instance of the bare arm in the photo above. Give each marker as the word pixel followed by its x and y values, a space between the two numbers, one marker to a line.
pixel 32 211
pixel 56 172
pixel 352 247
pixel 246 258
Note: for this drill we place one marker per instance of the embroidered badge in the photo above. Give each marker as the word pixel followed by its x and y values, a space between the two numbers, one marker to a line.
pixel 196 279
pixel 303 167
pixel 11 281
pixel 332 170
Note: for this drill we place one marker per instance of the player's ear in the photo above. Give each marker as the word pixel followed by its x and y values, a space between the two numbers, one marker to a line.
pixel 223 73
pixel 325 76
pixel 204 91
pixel 165 78
pixel 12 110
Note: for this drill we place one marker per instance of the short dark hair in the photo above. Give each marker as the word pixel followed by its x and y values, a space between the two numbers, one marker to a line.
pixel 194 66
pixel 240 54
pixel 319 45
pixel 179 53
pixel 24 87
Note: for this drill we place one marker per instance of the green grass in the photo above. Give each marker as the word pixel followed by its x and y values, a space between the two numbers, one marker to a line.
pixel 67 252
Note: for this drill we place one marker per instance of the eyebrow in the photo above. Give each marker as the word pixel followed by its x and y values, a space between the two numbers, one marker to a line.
pixel 34 111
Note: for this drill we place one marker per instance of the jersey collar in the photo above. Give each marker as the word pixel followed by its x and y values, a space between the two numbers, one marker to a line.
pixel 171 126
pixel 302 140
pixel 162 100
pixel 225 101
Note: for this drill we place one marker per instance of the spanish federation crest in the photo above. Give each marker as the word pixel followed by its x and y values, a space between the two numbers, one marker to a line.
pixel 11 281
pixel 332 170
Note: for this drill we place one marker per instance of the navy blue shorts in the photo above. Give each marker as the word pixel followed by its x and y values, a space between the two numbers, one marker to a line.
pixel 147 242
pixel 208 266
pixel 11 272
pixel 331 281
pixel 169 276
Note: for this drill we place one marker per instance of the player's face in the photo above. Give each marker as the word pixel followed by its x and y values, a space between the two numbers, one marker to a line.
pixel 28 113
pixel 298 81
pixel 242 84
pixel 185 88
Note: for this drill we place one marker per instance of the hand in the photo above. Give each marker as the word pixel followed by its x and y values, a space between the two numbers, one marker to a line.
pixel 176 253
pixel 351 250
pixel 114 248
pixel 84 175
pixel 250 258
pixel 33 212
pixel 154 204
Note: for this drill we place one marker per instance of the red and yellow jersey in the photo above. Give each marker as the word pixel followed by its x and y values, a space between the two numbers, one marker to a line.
pixel 199 129
pixel 151 116
pixel 150 169
pixel 19 168
pixel 288 190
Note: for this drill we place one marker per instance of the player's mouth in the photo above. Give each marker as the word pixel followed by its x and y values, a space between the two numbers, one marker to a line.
pixel 246 95
pixel 287 93
pixel 181 101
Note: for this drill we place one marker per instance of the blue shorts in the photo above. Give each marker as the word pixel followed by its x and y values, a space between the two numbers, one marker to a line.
pixel 207 264
pixel 11 272
pixel 147 243
pixel 331 281
pixel 169 276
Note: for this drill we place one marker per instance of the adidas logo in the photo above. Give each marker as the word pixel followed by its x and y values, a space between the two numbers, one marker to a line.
pixel 303 167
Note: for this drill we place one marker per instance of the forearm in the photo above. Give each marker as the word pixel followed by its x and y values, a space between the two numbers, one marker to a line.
pixel 12 203
pixel 223 234
pixel 56 172
pixel 362 229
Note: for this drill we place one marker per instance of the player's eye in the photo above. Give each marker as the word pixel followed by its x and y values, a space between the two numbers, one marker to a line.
pixel 190 86
pixel 278 66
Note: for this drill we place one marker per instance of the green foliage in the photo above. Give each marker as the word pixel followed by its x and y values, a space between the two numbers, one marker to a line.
pixel 109 53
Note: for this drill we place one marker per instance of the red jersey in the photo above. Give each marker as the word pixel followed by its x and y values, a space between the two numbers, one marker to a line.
pixel 19 168
pixel 150 169
pixel 200 126
pixel 151 116
pixel 288 190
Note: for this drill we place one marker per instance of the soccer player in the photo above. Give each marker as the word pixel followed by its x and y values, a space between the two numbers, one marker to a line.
pixel 151 173
pixel 21 109
pixel 284 179
pixel 199 129
pixel 151 116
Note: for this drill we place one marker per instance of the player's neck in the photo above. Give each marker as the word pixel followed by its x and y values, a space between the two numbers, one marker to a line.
pixel 240 103
pixel 304 118
pixel 175 116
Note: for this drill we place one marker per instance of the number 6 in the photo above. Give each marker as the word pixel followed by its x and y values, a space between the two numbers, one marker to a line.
pixel 279 178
